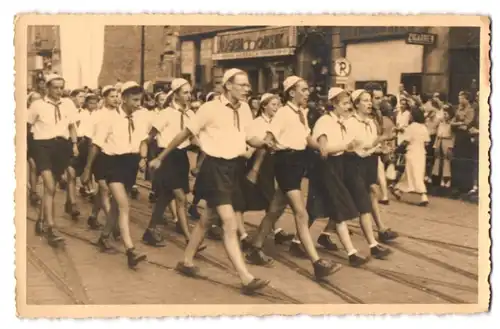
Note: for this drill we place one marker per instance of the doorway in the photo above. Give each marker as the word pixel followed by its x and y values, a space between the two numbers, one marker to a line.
pixel 412 83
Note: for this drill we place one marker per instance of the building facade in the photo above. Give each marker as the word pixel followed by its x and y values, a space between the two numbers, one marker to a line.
pixel 268 54
pixel 44 52
pixel 422 59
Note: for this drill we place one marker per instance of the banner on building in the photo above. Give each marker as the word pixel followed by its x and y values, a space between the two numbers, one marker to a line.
pixel 266 42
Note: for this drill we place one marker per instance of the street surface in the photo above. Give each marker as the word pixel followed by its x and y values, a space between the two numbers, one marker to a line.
pixel 435 260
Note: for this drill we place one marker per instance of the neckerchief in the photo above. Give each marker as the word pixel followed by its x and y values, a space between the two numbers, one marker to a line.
pixel 236 114
pixel 302 118
pixel 57 110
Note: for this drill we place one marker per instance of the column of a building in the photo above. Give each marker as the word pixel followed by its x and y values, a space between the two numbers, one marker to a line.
pixel 338 51
pixel 435 77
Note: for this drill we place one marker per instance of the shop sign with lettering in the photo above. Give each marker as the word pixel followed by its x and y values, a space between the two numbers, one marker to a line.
pixel 425 39
pixel 274 41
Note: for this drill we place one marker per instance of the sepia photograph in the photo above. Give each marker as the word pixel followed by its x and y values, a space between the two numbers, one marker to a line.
pixel 251 165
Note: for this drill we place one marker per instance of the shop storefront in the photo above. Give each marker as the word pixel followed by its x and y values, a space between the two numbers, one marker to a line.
pixel 267 54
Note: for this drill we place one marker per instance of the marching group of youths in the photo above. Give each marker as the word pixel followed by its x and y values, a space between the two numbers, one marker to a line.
pixel 246 162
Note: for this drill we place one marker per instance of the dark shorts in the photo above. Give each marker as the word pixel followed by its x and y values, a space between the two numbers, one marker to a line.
pixel 30 145
pixel 328 196
pixel 173 173
pixel 372 169
pixel 259 196
pixel 356 178
pixel 121 168
pixel 52 154
pixel 78 163
pixel 289 168
pixel 98 168
pixel 221 184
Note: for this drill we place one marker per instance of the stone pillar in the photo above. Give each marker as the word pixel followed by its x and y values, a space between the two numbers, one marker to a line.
pixel 338 51
pixel 435 71
pixel 261 83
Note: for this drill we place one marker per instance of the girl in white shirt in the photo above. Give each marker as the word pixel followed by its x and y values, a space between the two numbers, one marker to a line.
pixel 414 139
pixel 360 169
pixel 443 147
pixel 260 188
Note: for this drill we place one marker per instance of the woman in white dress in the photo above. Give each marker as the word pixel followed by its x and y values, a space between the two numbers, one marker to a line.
pixel 414 139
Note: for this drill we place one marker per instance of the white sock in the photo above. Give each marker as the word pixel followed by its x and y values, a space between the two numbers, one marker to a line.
pixel 352 252
pixel 373 245
pixel 325 233
pixel 295 240
pixel 276 231
pixel 243 237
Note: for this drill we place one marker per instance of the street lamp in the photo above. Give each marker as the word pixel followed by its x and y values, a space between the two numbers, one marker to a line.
pixel 143 41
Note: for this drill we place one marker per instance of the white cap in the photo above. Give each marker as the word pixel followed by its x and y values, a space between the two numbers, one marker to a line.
pixel 290 82
pixel 52 77
pixel 158 94
pixel 209 95
pixel 355 94
pixel 266 96
pixel 334 92
pixel 175 85
pixel 229 74
pixel 129 85
pixel 107 88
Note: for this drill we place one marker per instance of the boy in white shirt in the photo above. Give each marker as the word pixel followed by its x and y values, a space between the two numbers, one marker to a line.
pixel 220 127
pixel 52 121
pixel 121 136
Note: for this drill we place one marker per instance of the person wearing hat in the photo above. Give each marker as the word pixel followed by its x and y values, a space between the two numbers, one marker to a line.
pixel 52 121
pixel 172 177
pixel 330 173
pixel 221 127
pixel 159 99
pixel 85 110
pixel 94 166
pixel 291 134
pixel 33 175
pixel 87 117
pixel 361 167
pixel 70 207
pixel 121 136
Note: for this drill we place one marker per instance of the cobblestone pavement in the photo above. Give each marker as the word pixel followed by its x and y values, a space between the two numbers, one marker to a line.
pixel 434 261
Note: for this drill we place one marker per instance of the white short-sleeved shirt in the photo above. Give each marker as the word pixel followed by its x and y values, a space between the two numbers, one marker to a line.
pixel 168 124
pixel 215 127
pixel 416 134
pixel 112 131
pixel 42 118
pixel 259 127
pixel 364 131
pixel 290 133
pixel 96 118
pixel 333 128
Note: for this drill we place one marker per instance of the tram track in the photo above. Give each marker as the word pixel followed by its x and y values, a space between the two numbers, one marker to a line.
pixel 325 283
pixel 409 281
pixel 400 278
pixel 466 250
pixel 208 259
pixel 281 298
pixel 77 293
